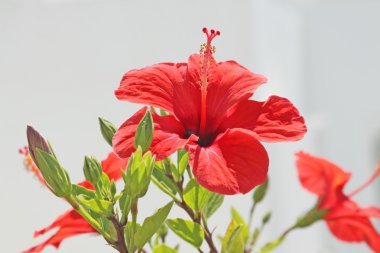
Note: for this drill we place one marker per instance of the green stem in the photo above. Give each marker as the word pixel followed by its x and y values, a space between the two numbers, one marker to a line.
pixel 120 243
pixel 274 244
pixel 251 214
pixel 134 211
pixel 94 223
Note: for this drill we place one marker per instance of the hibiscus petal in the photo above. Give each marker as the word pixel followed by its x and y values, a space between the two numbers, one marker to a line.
pixel 236 162
pixel 152 85
pixel 187 95
pixel 273 120
pixel 69 224
pixel 233 85
pixel 371 211
pixel 163 85
pixel 113 166
pixel 166 136
pixel 322 177
pixel 348 223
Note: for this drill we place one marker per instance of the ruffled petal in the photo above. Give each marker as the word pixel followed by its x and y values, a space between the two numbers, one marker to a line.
pixel 348 222
pixel 233 84
pixel 166 86
pixel 166 136
pixel 322 178
pixel 152 85
pixel 69 224
pixel 236 162
pixel 273 120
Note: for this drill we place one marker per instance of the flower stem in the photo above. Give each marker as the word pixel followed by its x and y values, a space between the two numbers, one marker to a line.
pixel 94 223
pixel 251 211
pixel 274 244
pixel 197 219
pixel 120 244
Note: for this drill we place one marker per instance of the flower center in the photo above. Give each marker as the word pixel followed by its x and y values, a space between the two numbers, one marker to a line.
pixel 205 62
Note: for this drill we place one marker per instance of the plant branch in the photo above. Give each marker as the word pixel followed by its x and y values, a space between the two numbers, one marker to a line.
pixel 251 211
pixel 120 243
pixel 208 235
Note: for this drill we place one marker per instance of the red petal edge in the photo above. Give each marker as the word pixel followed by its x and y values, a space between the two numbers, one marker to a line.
pixel 166 136
pixel 235 163
pixel 274 120
pixel 349 222
pixel 322 178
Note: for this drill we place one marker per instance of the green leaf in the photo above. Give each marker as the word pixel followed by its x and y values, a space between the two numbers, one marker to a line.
pixel 169 168
pixel 98 206
pixel 128 233
pixel 144 132
pixel 196 196
pixel 240 221
pixel 163 248
pixel 54 174
pixel 272 245
pixel 78 190
pixel 88 199
pixel 151 225
pixel 215 201
pixel 108 130
pixel 183 162
pixel 233 241
pixel 125 204
pixel 164 183
pixel 260 191
pixel 188 230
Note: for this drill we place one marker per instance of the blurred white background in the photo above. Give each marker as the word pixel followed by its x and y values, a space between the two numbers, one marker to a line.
pixel 60 61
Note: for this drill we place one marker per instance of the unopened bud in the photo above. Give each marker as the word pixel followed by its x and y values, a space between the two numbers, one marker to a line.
pixel 92 170
pixel 144 132
pixel 108 130
pixel 260 192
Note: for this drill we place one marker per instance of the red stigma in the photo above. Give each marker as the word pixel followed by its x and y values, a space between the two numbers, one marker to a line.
pixel 211 35
pixel 24 151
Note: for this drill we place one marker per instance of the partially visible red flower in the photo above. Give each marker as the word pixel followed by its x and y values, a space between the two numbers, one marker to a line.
pixel 345 218
pixel 71 223
pixel 211 116
pixel 30 165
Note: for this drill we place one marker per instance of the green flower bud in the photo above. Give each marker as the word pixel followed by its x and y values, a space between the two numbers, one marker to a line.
pixel 92 170
pixel 260 192
pixel 267 217
pixel 35 140
pixel 138 173
pixel 108 130
pixel 144 132
pixel 54 174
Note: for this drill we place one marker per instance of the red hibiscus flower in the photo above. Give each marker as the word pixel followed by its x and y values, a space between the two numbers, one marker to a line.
pixel 345 219
pixel 211 116
pixel 71 223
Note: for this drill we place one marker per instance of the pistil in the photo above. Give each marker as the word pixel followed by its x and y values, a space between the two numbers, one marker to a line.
pixel 206 59
pixel 368 182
